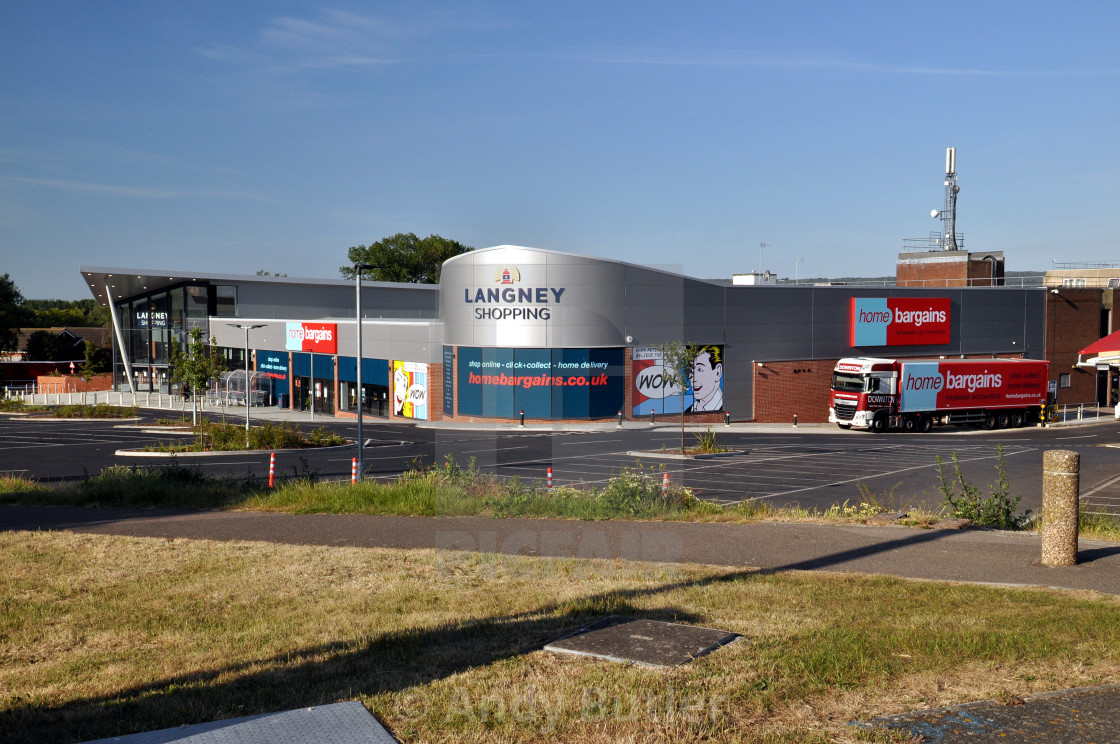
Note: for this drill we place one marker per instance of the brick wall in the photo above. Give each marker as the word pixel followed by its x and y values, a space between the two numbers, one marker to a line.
pixel 435 392
pixel 782 389
pixel 932 274
pixel 1072 323
pixel 941 270
pixel 74 383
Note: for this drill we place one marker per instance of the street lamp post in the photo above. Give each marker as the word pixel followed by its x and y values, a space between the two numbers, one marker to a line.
pixel 246 327
pixel 358 269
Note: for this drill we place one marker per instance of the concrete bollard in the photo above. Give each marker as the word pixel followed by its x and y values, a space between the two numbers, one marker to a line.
pixel 1060 493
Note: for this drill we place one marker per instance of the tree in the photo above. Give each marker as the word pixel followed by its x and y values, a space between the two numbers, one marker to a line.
pixel 90 367
pixel 195 367
pixel 54 313
pixel 44 346
pixel 677 359
pixel 405 258
pixel 12 314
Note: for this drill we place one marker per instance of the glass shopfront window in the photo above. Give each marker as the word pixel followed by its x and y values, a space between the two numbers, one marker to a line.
pixel 151 325
pixel 375 384
pixel 196 308
pixel 225 301
pixel 545 383
pixel 158 322
pixel 313 378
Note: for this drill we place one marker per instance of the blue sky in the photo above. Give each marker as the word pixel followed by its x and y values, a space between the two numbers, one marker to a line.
pixel 233 137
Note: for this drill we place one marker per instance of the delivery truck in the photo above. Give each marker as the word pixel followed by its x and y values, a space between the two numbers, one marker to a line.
pixel 915 394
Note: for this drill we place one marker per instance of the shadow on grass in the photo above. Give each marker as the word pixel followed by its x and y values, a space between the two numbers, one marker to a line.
pixel 336 672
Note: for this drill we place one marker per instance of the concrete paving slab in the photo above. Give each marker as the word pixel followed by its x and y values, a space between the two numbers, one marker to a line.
pixel 645 642
pixel 341 723
pixel 1085 715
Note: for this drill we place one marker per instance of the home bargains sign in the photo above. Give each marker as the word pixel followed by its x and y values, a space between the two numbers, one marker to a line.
pixel 900 321
pixel 321 338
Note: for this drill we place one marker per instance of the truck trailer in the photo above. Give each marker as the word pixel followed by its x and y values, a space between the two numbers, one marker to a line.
pixel 914 394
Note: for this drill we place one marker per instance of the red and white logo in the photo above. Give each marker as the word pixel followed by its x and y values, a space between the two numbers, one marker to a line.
pixel 321 338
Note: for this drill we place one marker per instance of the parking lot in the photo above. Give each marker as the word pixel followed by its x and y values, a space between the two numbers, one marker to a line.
pixel 811 467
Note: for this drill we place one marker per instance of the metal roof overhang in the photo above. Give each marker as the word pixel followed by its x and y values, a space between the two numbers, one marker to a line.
pixel 123 283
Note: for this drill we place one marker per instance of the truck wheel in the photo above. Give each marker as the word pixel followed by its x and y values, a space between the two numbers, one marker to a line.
pixel 990 421
pixel 1016 419
pixel 879 423
pixel 925 423
pixel 1003 420
pixel 909 424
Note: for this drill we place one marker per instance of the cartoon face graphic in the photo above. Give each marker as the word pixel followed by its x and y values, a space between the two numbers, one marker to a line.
pixel 400 388
pixel 706 376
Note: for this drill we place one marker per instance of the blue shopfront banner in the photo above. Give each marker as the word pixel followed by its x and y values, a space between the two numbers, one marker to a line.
pixel 544 383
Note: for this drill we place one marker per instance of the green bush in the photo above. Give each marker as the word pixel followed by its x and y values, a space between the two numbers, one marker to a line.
pixel 964 500
pixel 706 443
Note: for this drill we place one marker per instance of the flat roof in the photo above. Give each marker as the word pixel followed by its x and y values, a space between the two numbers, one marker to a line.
pixel 124 282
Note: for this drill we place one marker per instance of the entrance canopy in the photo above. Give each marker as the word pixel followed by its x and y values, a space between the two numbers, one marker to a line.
pixel 1103 352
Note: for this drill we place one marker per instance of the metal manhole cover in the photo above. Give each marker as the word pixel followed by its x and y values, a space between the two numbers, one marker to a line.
pixel 646 642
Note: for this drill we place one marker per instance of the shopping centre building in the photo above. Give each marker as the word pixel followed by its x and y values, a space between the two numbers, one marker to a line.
pixel 568 337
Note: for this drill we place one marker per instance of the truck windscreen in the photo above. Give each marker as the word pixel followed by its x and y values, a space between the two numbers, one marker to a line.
pixel 847 383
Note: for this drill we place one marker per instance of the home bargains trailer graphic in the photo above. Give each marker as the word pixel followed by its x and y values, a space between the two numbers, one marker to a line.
pixel 321 338
pixel 653 391
pixel 938 386
pixel 900 321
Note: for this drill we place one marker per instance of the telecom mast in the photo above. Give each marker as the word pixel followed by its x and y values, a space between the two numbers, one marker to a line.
pixel 948 215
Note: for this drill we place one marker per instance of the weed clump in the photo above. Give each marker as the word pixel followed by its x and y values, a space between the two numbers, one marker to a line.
pixel 965 501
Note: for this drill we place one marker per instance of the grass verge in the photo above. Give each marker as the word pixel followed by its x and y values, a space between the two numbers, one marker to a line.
pixel 106 636
pixel 449 489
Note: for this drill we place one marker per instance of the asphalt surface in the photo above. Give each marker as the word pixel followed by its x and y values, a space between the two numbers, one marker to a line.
pixel 810 465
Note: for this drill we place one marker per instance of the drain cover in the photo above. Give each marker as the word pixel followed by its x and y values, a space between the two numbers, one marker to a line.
pixel 646 642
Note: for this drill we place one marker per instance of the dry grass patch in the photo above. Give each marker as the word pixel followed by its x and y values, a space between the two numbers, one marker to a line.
pixel 107 635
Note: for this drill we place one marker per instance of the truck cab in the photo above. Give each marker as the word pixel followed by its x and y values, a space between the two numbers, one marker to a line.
pixel 864 393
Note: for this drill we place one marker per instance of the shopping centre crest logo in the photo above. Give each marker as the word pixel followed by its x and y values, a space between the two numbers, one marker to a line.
pixel 509 302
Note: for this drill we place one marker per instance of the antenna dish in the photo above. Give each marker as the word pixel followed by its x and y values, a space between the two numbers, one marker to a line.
pixel 933 213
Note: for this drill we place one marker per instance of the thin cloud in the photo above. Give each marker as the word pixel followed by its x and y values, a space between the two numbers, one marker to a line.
pixel 340 39
pixel 732 58
pixel 141 192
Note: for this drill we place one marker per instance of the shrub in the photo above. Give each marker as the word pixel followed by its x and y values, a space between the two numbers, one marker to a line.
pixel 706 443
pixel 964 500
